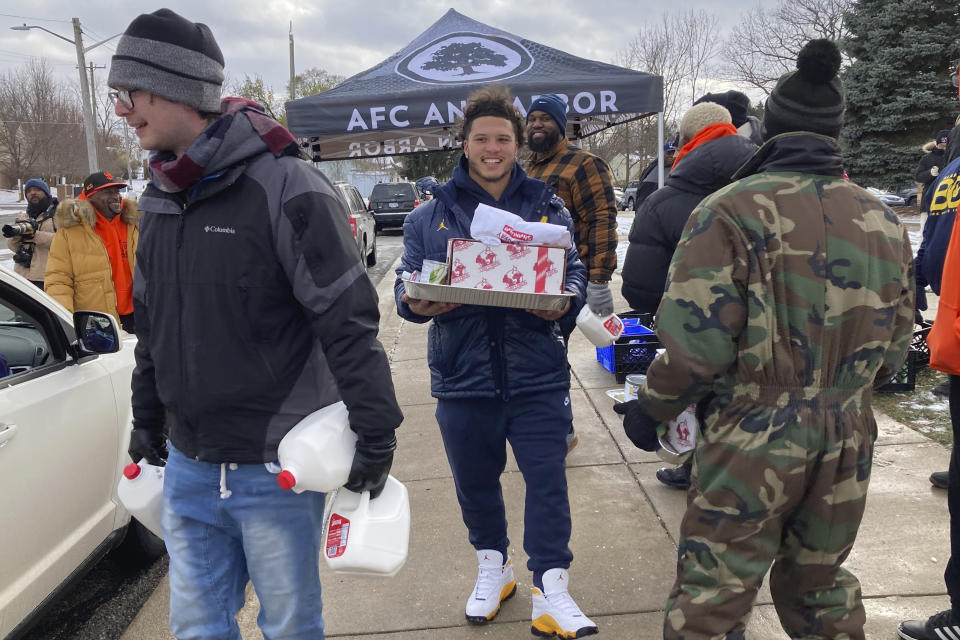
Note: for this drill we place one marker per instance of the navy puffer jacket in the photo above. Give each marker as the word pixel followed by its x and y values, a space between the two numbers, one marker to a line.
pixel 485 352
pixel 659 222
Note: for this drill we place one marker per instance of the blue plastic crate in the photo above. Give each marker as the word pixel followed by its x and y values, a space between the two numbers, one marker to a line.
pixel 632 352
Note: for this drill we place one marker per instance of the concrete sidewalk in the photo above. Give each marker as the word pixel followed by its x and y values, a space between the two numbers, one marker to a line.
pixel 625 527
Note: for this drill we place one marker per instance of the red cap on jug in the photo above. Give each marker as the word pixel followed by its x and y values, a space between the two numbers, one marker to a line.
pixel 286 480
pixel 131 471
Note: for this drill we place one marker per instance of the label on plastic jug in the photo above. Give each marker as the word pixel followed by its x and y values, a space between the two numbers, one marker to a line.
pixel 337 534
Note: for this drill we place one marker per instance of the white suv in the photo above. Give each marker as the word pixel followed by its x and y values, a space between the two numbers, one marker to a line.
pixel 361 221
pixel 64 432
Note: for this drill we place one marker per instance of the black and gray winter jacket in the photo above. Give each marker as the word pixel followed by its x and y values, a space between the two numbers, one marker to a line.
pixel 253 310
pixel 659 223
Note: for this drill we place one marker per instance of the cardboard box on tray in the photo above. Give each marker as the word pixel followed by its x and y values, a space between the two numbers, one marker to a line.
pixel 519 268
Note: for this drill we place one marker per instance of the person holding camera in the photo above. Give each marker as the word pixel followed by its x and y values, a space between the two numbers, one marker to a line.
pixel 30 236
pixel 92 258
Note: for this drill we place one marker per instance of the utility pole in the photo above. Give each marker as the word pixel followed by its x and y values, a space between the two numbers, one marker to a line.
pixel 88 124
pixel 293 76
pixel 93 107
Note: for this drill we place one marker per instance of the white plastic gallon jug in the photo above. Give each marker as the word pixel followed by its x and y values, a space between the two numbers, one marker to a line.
pixel 602 331
pixel 316 455
pixel 141 492
pixel 364 536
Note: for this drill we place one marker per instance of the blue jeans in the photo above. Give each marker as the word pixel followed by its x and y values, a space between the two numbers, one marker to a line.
pixel 226 524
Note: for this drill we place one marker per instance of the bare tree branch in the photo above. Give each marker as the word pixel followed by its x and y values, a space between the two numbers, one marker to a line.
pixel 765 43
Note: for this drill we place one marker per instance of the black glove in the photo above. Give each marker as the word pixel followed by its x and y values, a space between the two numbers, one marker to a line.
pixel 148 445
pixel 371 463
pixel 639 425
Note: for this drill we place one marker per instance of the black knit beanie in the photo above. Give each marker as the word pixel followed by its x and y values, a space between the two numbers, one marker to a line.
pixel 169 56
pixel 736 102
pixel 810 98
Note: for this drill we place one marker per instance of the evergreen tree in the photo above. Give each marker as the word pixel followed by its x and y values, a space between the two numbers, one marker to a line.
pixel 898 88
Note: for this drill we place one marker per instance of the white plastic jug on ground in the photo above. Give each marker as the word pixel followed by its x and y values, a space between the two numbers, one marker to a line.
pixel 602 331
pixel 364 536
pixel 141 492
pixel 316 455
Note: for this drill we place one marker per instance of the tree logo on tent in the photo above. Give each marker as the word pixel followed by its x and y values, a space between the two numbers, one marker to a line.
pixel 464 57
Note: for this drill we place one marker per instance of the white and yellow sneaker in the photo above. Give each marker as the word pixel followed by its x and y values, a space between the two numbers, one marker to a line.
pixel 495 583
pixel 554 611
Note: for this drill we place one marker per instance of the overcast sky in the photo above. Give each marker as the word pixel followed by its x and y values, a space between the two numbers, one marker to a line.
pixel 342 37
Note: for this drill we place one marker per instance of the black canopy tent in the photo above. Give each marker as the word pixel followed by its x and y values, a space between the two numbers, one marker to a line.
pixel 409 102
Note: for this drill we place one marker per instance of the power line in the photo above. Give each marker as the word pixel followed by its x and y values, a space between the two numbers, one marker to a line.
pixel 8 15
pixel 73 124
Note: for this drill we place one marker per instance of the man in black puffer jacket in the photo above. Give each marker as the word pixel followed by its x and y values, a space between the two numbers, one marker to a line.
pixel 656 229
pixel 712 151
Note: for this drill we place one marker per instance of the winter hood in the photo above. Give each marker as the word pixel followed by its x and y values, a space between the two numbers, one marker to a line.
pixel 72 212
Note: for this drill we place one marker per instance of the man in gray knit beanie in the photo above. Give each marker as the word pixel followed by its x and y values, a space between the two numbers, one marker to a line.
pixel 169 56
pixel 237 225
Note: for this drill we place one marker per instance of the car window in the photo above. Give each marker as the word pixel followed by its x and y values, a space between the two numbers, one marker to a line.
pixel 356 202
pixel 385 191
pixel 23 342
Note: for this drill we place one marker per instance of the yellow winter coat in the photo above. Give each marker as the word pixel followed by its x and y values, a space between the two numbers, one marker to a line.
pixel 78 270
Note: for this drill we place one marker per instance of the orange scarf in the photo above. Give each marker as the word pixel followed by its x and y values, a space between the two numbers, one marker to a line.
pixel 113 233
pixel 708 133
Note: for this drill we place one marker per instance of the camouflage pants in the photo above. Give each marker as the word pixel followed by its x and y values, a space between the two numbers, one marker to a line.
pixel 777 486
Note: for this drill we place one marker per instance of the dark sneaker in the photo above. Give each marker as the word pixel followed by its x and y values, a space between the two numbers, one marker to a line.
pixel 677 477
pixel 940 479
pixel 942 389
pixel 939 626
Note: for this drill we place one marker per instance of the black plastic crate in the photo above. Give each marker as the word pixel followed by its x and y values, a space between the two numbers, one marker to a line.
pixel 906 378
pixel 919 343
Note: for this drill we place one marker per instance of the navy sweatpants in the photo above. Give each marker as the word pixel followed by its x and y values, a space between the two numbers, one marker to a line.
pixel 475 433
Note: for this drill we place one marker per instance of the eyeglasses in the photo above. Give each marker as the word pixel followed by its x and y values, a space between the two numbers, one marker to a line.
pixel 123 96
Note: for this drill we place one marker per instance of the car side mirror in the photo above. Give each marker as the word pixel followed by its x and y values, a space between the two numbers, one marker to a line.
pixel 97 332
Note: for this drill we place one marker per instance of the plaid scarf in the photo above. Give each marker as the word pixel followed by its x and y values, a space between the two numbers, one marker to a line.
pixel 172 174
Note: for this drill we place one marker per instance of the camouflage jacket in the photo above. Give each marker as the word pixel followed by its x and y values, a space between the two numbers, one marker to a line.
pixel 582 180
pixel 791 286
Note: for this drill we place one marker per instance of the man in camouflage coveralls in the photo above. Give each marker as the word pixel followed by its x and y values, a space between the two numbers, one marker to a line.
pixel 790 295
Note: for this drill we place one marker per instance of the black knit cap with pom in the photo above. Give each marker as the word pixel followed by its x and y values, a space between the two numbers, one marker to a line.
pixel 810 98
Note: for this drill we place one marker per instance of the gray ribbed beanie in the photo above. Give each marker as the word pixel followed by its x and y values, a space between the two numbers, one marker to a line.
pixel 700 116
pixel 169 56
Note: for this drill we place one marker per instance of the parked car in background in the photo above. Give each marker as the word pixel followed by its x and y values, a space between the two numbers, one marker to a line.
pixel 909 196
pixel 630 194
pixel 618 194
pixel 361 221
pixel 64 430
pixel 392 201
pixel 889 199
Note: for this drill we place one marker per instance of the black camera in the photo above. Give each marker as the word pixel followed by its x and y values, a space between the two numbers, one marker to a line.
pixel 24 254
pixel 25 228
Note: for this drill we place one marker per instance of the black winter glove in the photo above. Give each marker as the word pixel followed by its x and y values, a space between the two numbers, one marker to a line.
pixel 149 445
pixel 639 425
pixel 371 464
